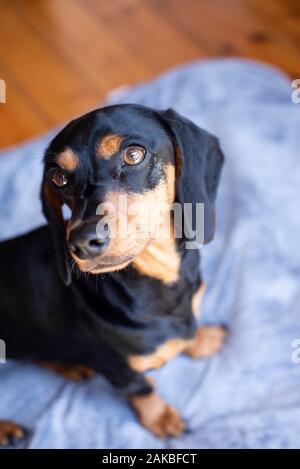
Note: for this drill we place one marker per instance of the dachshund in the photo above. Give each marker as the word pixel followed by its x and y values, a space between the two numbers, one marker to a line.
pixel 84 294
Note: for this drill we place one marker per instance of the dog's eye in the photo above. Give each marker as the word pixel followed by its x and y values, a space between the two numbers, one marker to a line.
pixel 134 155
pixel 59 179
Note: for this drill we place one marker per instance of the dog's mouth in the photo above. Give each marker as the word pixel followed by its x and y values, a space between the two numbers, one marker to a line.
pixel 110 266
pixel 102 268
pixel 119 253
pixel 106 265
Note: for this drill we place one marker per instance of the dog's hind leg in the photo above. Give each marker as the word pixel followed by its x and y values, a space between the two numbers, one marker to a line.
pixel 77 373
pixel 10 433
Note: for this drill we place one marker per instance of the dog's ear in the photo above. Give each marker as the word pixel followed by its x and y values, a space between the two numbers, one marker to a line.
pixel 52 208
pixel 199 161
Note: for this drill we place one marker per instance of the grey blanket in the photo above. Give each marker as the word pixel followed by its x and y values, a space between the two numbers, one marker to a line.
pixel 248 396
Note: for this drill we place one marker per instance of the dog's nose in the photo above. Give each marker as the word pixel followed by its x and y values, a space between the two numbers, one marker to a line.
pixel 86 243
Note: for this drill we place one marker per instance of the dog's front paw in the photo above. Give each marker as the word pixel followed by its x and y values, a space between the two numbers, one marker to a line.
pixel 158 416
pixel 207 341
pixel 167 423
pixel 10 434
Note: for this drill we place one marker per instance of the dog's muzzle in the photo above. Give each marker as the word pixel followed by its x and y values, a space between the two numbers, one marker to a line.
pixel 86 243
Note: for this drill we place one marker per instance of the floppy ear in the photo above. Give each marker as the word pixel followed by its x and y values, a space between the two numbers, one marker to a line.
pixel 199 161
pixel 52 208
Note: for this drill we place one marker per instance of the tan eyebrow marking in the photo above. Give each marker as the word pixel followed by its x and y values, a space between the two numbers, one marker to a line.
pixel 109 145
pixel 68 160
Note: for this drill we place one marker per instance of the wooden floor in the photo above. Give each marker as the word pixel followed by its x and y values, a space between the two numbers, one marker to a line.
pixel 60 57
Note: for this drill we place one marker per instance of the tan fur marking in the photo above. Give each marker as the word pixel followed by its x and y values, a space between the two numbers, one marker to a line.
pixel 160 259
pixel 9 431
pixel 151 254
pixel 196 300
pixel 109 145
pixel 208 341
pixel 162 355
pixel 170 174
pixel 68 160
pixel 158 416
pixel 75 373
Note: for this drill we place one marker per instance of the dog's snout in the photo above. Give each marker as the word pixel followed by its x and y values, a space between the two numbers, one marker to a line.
pixel 85 242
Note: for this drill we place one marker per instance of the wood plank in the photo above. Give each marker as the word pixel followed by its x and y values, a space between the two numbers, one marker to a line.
pixel 223 30
pixel 60 57
pixel 285 16
pixel 83 42
pixel 19 118
pixel 57 87
pixel 264 41
pixel 146 33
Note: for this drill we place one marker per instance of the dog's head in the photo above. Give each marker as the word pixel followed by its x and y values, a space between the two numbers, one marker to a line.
pixel 120 169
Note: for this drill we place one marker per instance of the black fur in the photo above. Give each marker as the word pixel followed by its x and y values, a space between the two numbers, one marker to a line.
pixel 100 320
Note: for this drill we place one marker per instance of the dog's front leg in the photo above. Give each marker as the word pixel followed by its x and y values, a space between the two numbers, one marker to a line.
pixel 157 415
pixel 153 412
pixel 208 340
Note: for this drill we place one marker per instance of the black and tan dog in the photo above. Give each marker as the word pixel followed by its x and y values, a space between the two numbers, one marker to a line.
pixel 116 305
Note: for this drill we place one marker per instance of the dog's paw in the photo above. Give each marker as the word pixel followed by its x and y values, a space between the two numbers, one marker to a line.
pixel 207 341
pixel 158 416
pixel 10 434
pixel 77 373
pixel 168 423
